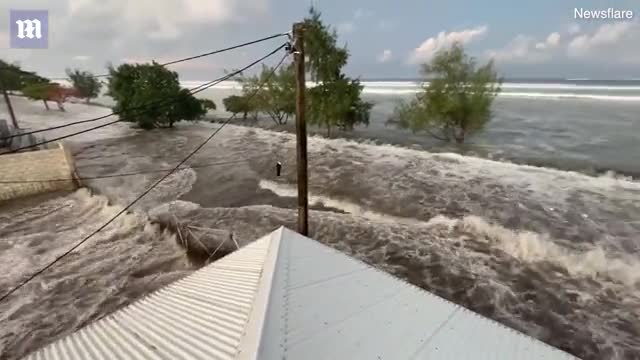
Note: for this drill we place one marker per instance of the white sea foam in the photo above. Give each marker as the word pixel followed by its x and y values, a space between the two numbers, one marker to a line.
pixel 541 91
pixel 507 85
pixel 351 208
pixel 539 95
pixel 593 262
pixel 526 246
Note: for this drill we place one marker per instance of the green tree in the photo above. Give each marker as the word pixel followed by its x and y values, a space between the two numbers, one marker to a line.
pixel 41 91
pixel 336 99
pixel 337 104
pixel 135 86
pixel 11 76
pixel 237 105
pixel 15 79
pixel 272 93
pixel 208 104
pixel 85 83
pixel 457 101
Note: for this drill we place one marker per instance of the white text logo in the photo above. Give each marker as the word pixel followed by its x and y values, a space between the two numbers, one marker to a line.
pixel 29 29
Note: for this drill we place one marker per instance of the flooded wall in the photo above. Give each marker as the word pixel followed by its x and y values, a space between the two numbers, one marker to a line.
pixel 36 172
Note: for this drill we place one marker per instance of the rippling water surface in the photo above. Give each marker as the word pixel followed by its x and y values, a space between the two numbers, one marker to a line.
pixel 550 252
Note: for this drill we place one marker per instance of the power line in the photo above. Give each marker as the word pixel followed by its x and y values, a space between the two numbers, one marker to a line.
pixel 152 103
pixel 15 69
pixel 226 77
pixel 189 156
pixel 199 88
pixel 135 173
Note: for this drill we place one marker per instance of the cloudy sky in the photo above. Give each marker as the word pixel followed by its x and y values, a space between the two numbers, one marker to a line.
pixel 386 38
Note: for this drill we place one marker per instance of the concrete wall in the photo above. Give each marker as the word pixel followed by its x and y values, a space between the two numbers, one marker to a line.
pixel 25 173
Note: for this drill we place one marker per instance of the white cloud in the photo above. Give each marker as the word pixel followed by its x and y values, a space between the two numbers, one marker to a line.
pixel 522 49
pixel 346 27
pixel 385 56
pixel 553 40
pixel 573 29
pixel 169 16
pixel 81 57
pixel 526 50
pixel 614 42
pixel 443 40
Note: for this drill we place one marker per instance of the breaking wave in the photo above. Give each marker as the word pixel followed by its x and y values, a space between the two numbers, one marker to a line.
pixel 592 262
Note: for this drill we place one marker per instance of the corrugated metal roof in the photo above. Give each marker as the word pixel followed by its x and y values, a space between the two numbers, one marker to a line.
pixel 203 316
pixel 326 305
pixel 289 297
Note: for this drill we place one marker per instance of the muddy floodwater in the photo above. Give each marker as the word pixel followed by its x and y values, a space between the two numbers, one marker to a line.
pixel 549 252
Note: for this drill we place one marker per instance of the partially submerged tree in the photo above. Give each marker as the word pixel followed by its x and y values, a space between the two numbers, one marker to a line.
pixel 47 91
pixel 37 92
pixel 270 92
pixel 86 84
pixel 457 101
pixel 336 99
pixel 236 104
pixel 337 104
pixel 207 104
pixel 150 95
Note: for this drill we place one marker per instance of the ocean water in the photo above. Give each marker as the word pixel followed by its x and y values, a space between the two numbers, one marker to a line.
pixel 592 126
pixel 551 249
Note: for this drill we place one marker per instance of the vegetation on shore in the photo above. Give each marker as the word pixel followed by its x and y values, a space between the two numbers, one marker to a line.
pixel 455 103
pixel 134 87
pixel 334 102
pixel 36 87
pixel 457 100
pixel 85 83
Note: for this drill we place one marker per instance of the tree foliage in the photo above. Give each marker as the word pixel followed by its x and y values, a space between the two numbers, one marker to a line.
pixel 37 91
pixel 457 101
pixel 335 100
pixel 325 58
pixel 337 104
pixel 48 91
pixel 15 79
pixel 271 92
pixel 85 83
pixel 135 86
pixel 10 74
pixel 237 105
pixel 333 103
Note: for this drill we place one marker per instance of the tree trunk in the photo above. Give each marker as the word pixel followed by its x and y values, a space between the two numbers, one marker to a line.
pixel 60 106
pixel 7 100
pixel 244 116
pixel 87 100
pixel 328 130
pixel 46 106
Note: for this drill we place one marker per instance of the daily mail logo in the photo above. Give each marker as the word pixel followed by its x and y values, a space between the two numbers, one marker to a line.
pixel 29 29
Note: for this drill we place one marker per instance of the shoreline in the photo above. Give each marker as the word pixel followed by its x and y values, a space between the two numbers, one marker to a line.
pixel 266 123
pixel 359 135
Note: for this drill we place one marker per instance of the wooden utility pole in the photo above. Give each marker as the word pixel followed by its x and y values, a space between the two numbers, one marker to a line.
pixel 301 130
pixel 7 100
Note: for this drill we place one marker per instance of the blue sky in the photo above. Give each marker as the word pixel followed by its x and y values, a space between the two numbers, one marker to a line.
pixel 385 38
